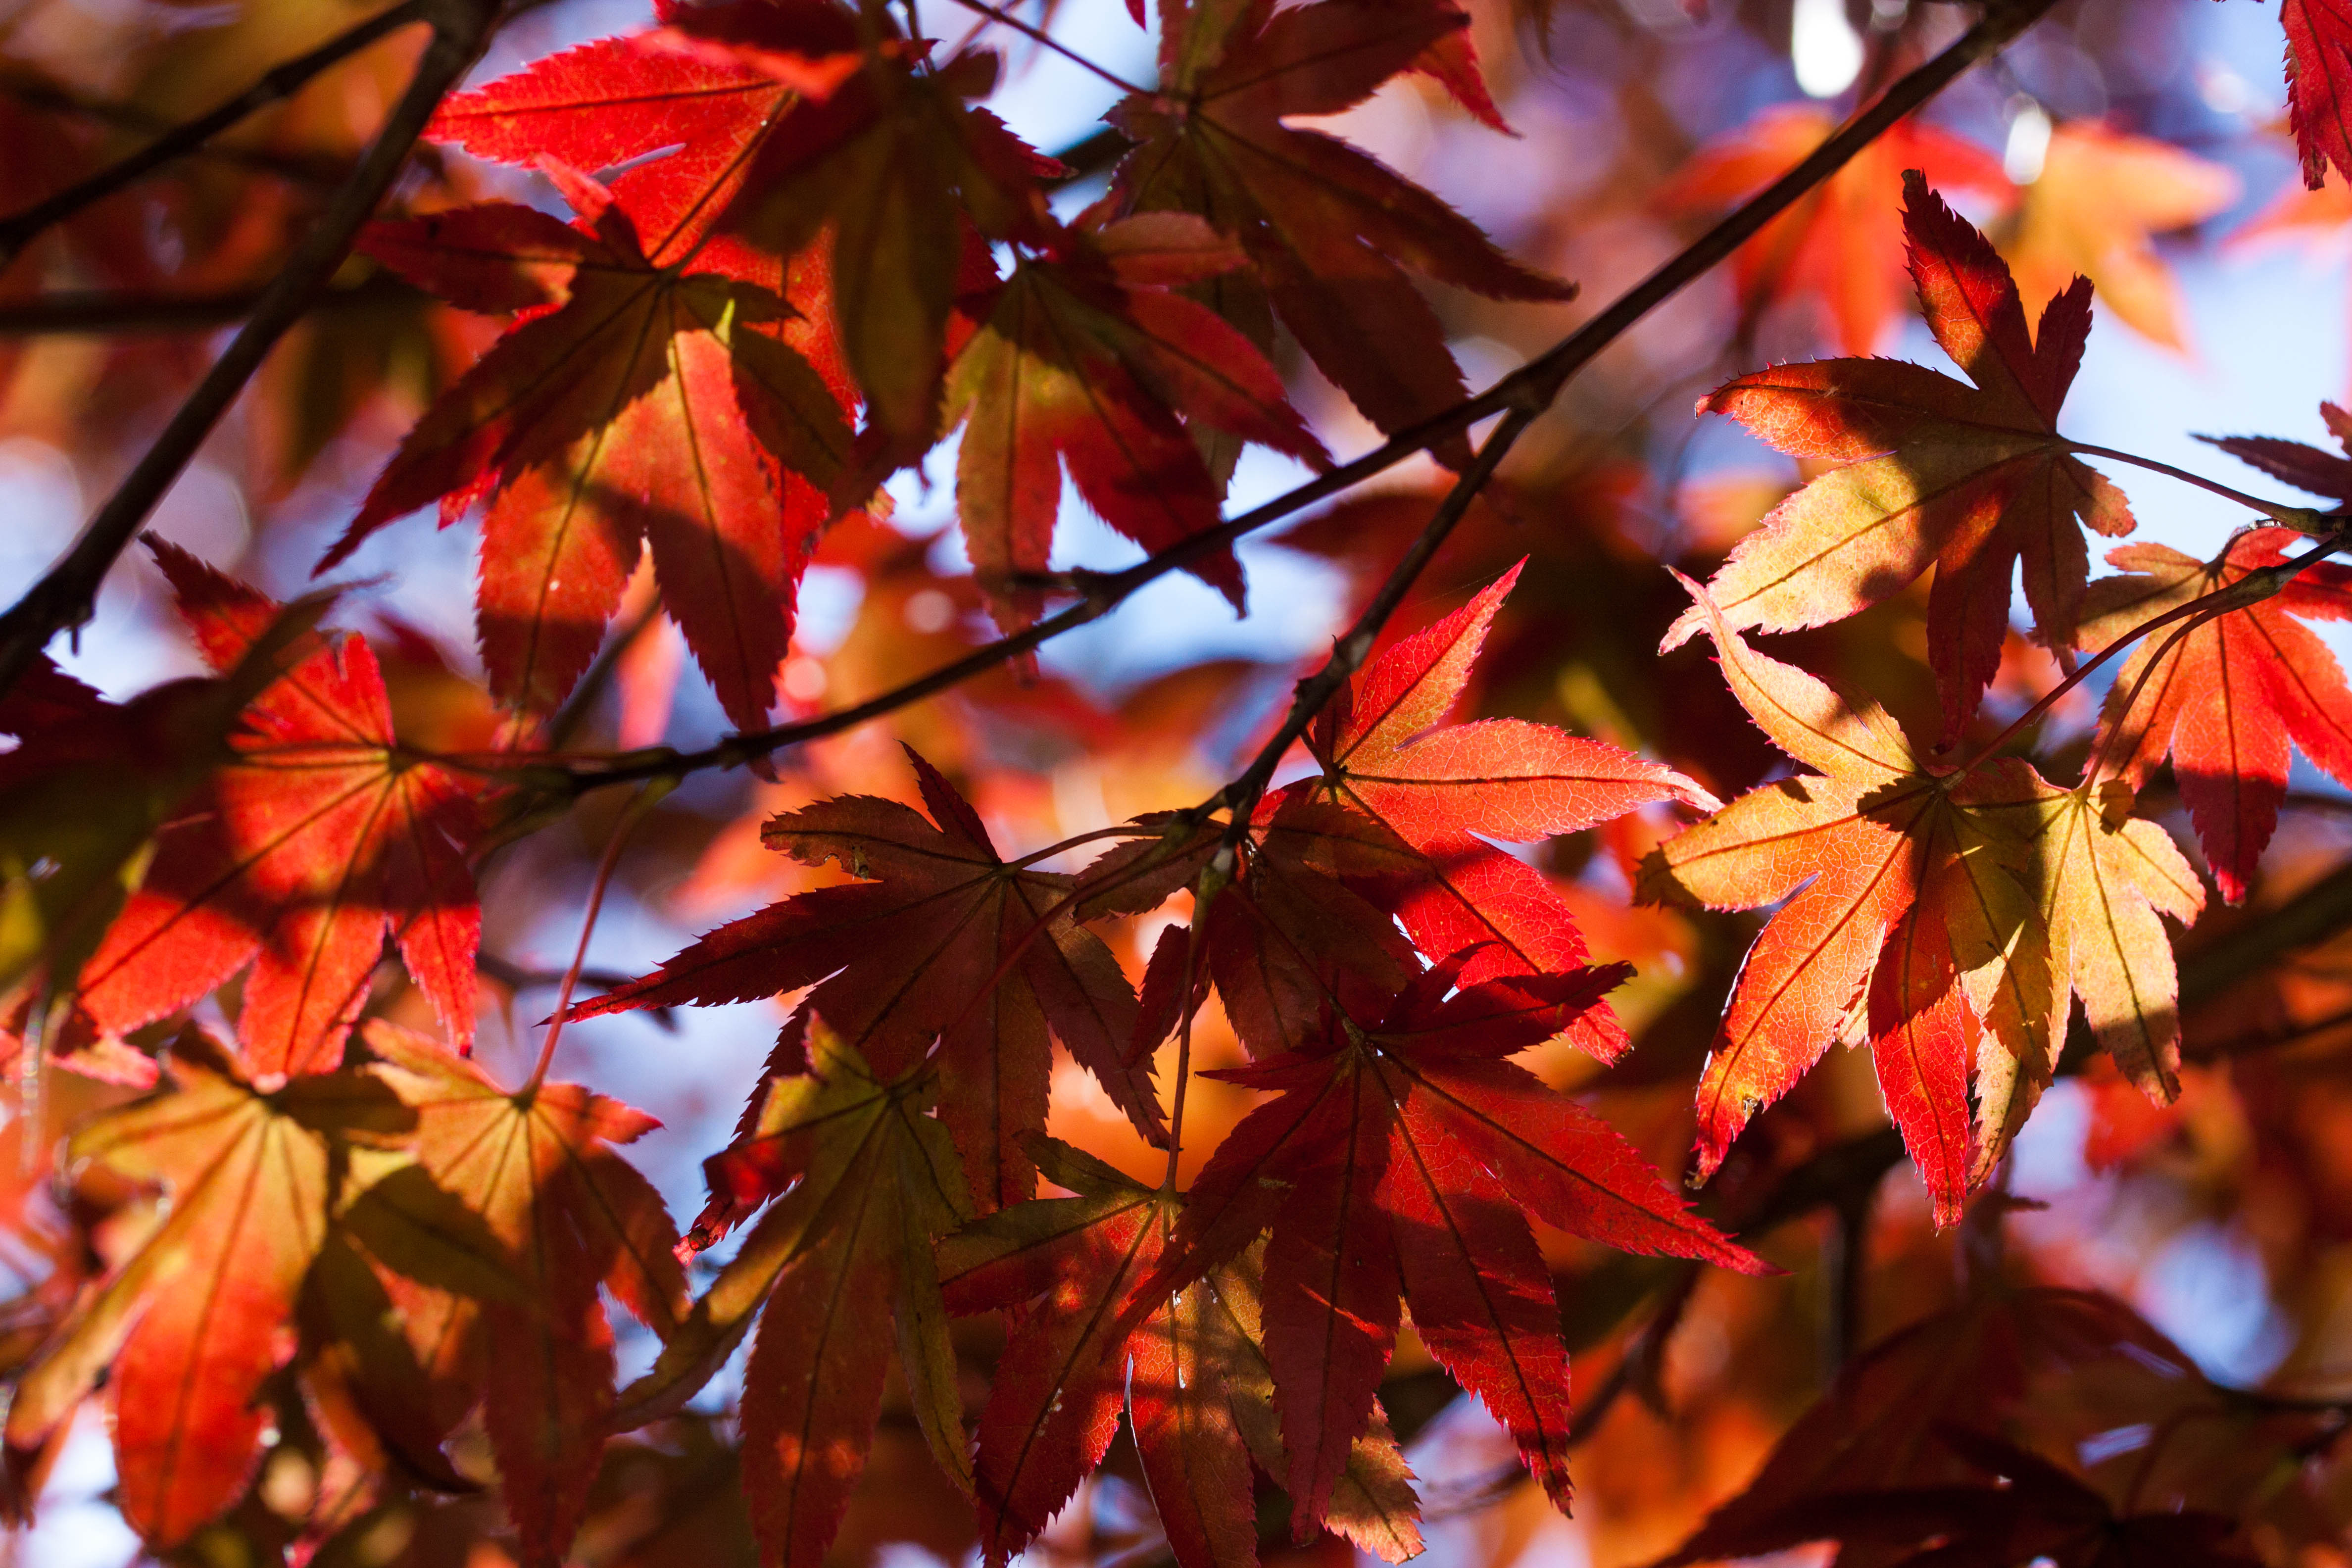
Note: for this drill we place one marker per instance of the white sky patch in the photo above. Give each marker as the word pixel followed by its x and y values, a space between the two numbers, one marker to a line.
pixel 1826 49
pixel 2028 146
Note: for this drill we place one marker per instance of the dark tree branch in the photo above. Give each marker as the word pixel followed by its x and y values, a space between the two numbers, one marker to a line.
pixel 66 595
pixel 109 311
pixel 1522 393
pixel 39 92
pixel 279 82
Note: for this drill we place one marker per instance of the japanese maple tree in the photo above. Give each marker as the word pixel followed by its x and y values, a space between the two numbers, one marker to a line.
pixel 1207 1096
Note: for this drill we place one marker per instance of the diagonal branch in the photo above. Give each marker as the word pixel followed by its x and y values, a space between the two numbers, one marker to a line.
pixel 106 312
pixel 1521 394
pixel 280 82
pixel 38 93
pixel 66 595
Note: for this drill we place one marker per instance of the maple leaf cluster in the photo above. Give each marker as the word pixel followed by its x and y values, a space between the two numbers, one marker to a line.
pixel 797 255
pixel 1400 1164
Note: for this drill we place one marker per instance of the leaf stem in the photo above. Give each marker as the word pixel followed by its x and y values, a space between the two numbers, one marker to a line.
pixel 92 312
pixel 1039 34
pixel 280 82
pixel 67 595
pixel 1185 1009
pixel 2303 519
pixel 631 816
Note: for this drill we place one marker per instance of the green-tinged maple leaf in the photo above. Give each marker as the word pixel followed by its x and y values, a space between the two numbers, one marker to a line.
pixel 186 1328
pixel 2223 698
pixel 869 1179
pixel 1086 356
pixel 646 395
pixel 2102 879
pixel 1951 917
pixel 1331 232
pixel 1912 924
pixel 537 1167
pixel 941 940
pixel 1191 1373
pixel 1400 1163
pixel 318 839
pixel 1968 478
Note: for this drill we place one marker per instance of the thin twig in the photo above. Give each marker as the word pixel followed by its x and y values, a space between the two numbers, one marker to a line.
pixel 38 93
pixel 90 312
pixel 1846 1267
pixel 635 813
pixel 279 82
pixel 2303 519
pixel 1038 34
pixel 67 594
pixel 2251 589
pixel 1185 1009
pixel 1347 655
pixel 1532 385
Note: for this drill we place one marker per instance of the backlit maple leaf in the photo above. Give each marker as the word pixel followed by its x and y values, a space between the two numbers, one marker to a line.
pixel 1400 1161
pixel 940 938
pixel 1330 230
pixel 1968 478
pixel 319 839
pixel 1843 242
pixel 2320 84
pixel 1948 916
pixel 645 395
pixel 868 1179
pixel 537 1166
pixel 1086 356
pixel 1911 924
pixel 2304 467
pixel 82 795
pixel 1191 1373
pixel 891 162
pixel 1445 790
pixel 2225 698
pixel 188 1326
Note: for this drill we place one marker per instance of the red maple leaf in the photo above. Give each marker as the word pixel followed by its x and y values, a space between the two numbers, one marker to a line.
pixel 1400 1161
pixel 317 840
pixel 189 1325
pixel 1086 356
pixel 1330 230
pixel 538 1167
pixel 1189 1369
pixel 1447 790
pixel 2223 700
pixel 2320 84
pixel 645 395
pixel 940 941
pixel 1971 480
